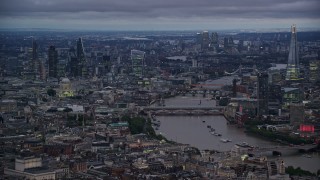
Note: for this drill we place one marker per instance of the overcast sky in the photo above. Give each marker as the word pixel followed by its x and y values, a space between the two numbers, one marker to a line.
pixel 159 14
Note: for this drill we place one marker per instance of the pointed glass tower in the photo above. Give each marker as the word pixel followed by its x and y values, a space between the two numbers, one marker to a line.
pixel 81 58
pixel 293 58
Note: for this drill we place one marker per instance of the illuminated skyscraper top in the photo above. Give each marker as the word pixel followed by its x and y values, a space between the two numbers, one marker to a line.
pixel 293 58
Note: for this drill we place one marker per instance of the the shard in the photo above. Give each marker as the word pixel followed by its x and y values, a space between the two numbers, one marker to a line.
pixel 81 58
pixel 293 58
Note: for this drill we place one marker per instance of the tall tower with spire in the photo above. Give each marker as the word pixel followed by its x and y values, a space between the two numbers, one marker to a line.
pixel 293 58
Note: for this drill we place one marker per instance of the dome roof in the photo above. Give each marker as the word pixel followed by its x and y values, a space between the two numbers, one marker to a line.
pixel 65 80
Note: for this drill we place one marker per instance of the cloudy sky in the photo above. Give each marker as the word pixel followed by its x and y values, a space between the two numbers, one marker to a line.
pixel 159 14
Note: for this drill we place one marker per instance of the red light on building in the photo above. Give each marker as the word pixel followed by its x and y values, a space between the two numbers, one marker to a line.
pixel 306 128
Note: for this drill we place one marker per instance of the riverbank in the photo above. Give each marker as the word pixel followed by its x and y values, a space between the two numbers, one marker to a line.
pixel 275 137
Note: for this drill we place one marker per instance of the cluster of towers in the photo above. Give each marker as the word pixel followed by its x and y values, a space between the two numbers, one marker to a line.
pixel 35 69
pixel 206 41
pixel 77 61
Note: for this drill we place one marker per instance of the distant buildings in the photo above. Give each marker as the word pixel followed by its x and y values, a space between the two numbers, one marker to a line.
pixel 293 58
pixel 137 58
pixel 30 167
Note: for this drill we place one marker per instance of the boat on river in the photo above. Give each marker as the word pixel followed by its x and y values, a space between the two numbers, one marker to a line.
pixel 306 155
pixel 244 145
pixel 225 140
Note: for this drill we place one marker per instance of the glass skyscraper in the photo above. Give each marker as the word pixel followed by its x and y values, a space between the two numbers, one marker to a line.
pixel 293 58
pixel 81 58
pixel 53 62
pixel 137 58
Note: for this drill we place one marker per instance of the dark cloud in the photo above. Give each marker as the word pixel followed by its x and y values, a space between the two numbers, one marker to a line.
pixel 161 9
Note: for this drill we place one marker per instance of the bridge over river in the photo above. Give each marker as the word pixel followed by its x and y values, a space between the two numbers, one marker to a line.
pixel 197 111
pixel 284 149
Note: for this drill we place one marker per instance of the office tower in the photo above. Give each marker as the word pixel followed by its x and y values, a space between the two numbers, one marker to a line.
pixel 234 88
pixel 214 38
pixel 293 58
pixel 53 62
pixel 226 43
pixel 34 58
pixel 137 58
pixel 12 66
pixel 194 63
pixel 81 58
pixel 314 68
pixel 296 114
pixel 240 45
pixel 198 38
pixel 274 99
pixel 262 93
pixel 205 40
pixel 42 71
pixel 61 67
pixel 73 63
pixel 106 62
pixel 31 68
pixel 230 41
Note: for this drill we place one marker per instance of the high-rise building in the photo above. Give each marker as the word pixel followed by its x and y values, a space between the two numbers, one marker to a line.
pixel 81 58
pixel 31 68
pixel 53 62
pixel 73 63
pixel 293 58
pixel 205 40
pixel 42 70
pixel 137 58
pixel 314 69
pixel 214 38
pixel 226 42
pixel 198 38
pixel 262 93
pixel 296 114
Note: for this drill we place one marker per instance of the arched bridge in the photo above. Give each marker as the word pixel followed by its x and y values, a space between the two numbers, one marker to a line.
pixel 197 111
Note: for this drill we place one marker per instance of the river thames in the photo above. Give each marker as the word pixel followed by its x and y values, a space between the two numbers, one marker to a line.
pixel 194 130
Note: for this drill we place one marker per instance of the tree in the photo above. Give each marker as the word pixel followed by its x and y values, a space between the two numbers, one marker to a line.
pixel 51 92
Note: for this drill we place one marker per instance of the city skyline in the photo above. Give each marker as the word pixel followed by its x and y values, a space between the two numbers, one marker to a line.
pixel 152 15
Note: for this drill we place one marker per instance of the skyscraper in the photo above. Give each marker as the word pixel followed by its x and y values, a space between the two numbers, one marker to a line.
pixel 314 68
pixel 137 58
pixel 214 38
pixel 30 69
pixel 293 58
pixel 81 58
pixel 73 63
pixel 205 40
pixel 35 65
pixel 226 42
pixel 53 62
pixel 262 92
